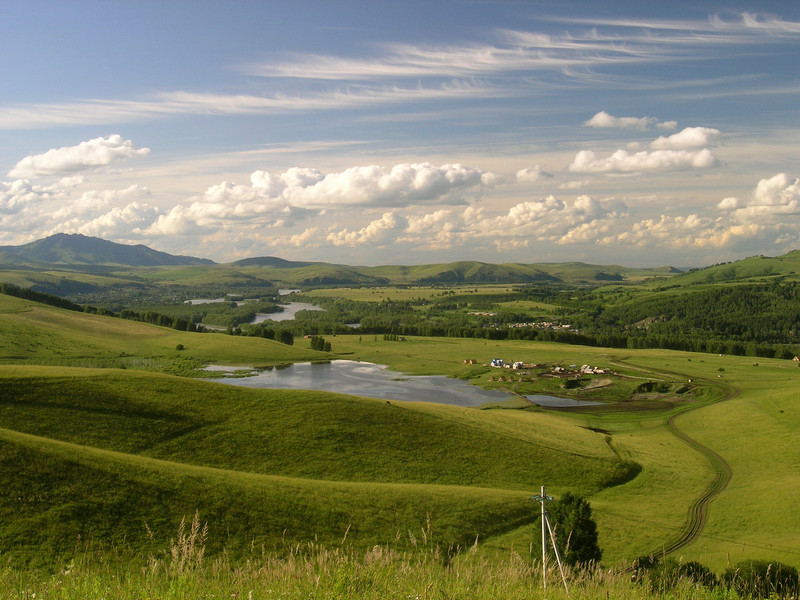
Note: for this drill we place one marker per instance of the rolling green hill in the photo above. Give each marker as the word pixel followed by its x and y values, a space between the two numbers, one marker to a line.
pixel 75 264
pixel 752 270
pixel 106 451
pixel 34 333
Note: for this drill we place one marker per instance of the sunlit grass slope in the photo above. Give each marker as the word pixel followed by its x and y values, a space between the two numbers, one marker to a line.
pixel 56 496
pixel 301 433
pixel 106 450
pixel 755 431
pixel 46 335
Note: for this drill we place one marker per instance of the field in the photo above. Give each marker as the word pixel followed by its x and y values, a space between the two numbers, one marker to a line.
pixel 412 292
pixel 666 461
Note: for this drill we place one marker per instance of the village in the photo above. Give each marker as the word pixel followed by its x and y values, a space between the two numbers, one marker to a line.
pixel 541 325
pixel 521 369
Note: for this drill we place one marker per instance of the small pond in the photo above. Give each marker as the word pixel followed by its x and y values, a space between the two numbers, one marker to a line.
pixel 376 381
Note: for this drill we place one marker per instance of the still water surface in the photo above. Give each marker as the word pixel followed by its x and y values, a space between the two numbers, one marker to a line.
pixel 287 314
pixel 376 381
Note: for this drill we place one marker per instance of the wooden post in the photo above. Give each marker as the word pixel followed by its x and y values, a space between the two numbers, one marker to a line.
pixel 544 542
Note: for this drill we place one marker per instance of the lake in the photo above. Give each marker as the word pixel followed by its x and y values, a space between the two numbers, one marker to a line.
pixel 290 309
pixel 287 314
pixel 376 381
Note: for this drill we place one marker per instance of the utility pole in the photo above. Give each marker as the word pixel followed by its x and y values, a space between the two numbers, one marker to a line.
pixel 548 528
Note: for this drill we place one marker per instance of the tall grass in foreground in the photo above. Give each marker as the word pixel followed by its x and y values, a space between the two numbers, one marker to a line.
pixel 312 571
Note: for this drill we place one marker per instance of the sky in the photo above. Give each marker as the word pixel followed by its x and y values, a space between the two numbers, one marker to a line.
pixel 404 132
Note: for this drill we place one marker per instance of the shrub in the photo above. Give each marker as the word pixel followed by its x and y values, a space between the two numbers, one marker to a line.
pixel 667 575
pixel 762 579
pixel 575 530
pixel 697 573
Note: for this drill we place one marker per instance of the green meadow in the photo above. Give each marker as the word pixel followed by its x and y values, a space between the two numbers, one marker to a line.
pixel 106 444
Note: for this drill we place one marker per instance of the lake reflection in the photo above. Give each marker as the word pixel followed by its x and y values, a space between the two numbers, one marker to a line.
pixel 374 381
pixel 287 314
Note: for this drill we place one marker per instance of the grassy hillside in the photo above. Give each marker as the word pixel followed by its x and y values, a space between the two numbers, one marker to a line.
pixel 109 449
pixel 746 412
pixel 39 334
pixel 754 269
pixel 109 280
pixel 106 451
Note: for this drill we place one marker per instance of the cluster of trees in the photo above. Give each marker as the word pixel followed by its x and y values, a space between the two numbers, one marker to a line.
pixel 574 529
pixel 758 321
pixel 319 343
pixel 28 294
pixel 160 319
pixel 279 334
pixel 767 313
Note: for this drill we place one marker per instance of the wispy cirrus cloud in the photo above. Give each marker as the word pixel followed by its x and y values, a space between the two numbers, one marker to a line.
pixel 532 52
pixel 93 112
pixel 747 23
pixel 517 60
pixel 518 52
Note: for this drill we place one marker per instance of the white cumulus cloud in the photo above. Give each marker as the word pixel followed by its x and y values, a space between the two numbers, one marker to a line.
pixel 21 193
pixel 120 221
pixel 603 120
pixel 729 203
pixel 532 174
pixel 378 233
pixel 772 199
pixel 98 152
pixel 622 161
pixel 402 185
pixel 688 139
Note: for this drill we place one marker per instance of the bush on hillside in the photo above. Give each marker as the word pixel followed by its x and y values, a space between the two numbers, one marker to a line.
pixel 575 530
pixel 669 574
pixel 762 579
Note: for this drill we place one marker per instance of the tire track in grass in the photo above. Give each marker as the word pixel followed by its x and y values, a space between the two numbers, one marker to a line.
pixel 698 510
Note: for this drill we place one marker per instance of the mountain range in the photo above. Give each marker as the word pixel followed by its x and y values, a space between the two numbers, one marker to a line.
pixel 79 253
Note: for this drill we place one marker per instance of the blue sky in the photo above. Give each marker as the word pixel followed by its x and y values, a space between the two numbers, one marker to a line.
pixel 405 132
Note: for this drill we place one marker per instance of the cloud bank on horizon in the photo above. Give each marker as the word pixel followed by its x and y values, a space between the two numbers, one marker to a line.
pixel 521 134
